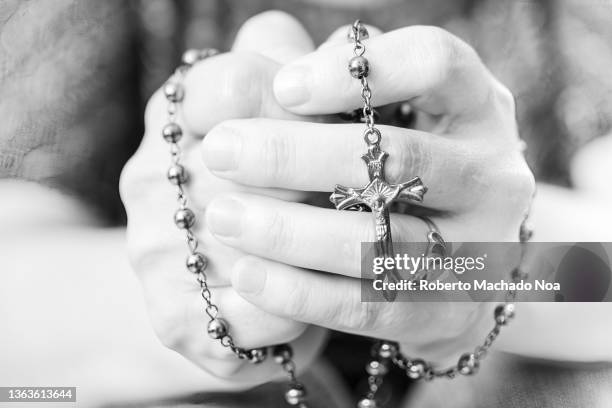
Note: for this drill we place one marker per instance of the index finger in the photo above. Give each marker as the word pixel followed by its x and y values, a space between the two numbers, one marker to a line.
pixel 436 71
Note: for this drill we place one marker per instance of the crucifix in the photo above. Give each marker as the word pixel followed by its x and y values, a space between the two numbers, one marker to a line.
pixel 377 196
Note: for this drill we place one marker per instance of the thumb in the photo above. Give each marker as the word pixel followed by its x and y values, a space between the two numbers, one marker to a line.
pixel 274 34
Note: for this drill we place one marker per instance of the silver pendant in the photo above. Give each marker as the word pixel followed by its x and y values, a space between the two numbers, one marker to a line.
pixel 377 196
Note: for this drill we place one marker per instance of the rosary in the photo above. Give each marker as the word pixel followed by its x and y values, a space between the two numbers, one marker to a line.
pixel 375 197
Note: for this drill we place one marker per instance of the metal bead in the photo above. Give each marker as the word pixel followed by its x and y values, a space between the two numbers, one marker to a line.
pixel 359 67
pixel 283 353
pixel 191 56
pixel 184 218
pixel 526 231
pixel 367 403
pixel 385 349
pixel 177 174
pixel 296 394
pixel 172 133
pixel 405 114
pixel 417 369
pixel 196 262
pixel 174 92
pixel 518 275
pixel 468 364
pixel 377 368
pixel 258 355
pixel 217 328
pixel 504 313
pixel 363 33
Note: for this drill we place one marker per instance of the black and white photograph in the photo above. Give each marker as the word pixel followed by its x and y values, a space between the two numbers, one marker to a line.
pixel 306 203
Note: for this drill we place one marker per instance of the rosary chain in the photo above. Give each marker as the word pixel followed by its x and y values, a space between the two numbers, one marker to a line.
pixel 359 67
pixel 196 262
pixel 386 353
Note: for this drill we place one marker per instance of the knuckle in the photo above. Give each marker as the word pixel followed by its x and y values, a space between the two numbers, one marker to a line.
pixel 474 170
pixel 515 188
pixel 154 109
pixel 136 181
pixel 239 77
pixel 280 157
pixel 128 182
pixel 502 100
pixel 240 80
pixel 298 301
pixel 522 186
pixel 447 54
pixel 456 54
pixel 279 234
pixel 358 316
pixel 410 157
pixel 505 98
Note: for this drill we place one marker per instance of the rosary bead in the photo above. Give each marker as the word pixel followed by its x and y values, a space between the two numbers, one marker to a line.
pixel 385 349
pixel 283 353
pixel 184 218
pixel 503 313
pixel 526 231
pixel 377 368
pixel 216 328
pixel 363 33
pixel 296 394
pixel 518 275
pixel 258 355
pixel 468 364
pixel 174 92
pixel 191 56
pixel 405 114
pixel 417 369
pixel 196 262
pixel 367 403
pixel 359 67
pixel 177 174
pixel 172 133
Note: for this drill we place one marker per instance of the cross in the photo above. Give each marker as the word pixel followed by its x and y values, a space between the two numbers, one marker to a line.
pixel 378 195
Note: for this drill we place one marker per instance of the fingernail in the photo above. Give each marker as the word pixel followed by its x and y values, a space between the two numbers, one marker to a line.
pixel 221 149
pixel 224 217
pixel 291 85
pixel 249 278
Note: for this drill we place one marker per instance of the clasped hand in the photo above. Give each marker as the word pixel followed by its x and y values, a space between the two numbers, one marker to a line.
pixel 260 142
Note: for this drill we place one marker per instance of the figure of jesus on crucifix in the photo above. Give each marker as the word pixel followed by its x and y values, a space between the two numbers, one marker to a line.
pixel 377 196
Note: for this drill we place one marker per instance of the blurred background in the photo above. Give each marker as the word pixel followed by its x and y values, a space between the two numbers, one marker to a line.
pixel 75 76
